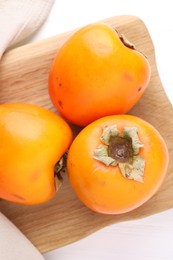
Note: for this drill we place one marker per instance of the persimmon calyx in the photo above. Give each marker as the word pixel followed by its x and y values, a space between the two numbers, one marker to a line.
pixel 101 154
pixel 133 170
pixel 59 167
pixel 132 132
pixel 122 150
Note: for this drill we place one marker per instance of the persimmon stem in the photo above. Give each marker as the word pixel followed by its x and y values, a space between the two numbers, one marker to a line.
pixel 126 42
pixel 120 148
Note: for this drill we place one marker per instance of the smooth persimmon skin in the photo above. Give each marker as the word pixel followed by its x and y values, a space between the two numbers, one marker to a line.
pixel 103 188
pixel 33 140
pixel 94 75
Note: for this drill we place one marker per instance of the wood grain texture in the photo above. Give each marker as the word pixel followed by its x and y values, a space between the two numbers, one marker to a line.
pixel 64 219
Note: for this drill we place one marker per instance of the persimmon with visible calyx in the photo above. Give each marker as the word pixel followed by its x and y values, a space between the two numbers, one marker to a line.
pixel 117 163
pixel 97 73
pixel 33 142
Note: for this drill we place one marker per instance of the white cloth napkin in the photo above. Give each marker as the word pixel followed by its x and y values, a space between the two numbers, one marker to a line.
pixel 18 20
pixel 13 244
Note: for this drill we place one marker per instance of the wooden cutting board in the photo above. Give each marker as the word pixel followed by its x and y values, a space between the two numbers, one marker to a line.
pixel 64 219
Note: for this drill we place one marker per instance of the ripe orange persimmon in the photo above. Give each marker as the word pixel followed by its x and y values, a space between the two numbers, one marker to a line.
pixel 97 73
pixel 117 163
pixel 32 140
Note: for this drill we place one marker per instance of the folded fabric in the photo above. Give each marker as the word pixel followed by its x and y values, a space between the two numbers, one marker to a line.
pixel 18 20
pixel 13 244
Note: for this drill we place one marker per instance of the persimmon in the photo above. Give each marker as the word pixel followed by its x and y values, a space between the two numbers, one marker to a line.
pixel 117 163
pixel 33 141
pixel 97 73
